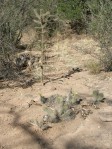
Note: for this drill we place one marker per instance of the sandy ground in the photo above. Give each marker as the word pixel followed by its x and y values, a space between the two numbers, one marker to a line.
pixel 92 133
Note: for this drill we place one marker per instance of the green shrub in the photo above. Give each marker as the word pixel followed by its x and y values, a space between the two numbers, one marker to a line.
pixel 14 18
pixel 73 10
pixel 101 29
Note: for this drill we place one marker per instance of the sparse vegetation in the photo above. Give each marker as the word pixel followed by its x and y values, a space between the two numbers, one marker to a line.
pixel 44 48
pixel 50 18
pixel 100 27
pixel 59 108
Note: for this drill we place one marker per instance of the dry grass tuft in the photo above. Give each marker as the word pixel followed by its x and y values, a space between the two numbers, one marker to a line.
pixel 93 66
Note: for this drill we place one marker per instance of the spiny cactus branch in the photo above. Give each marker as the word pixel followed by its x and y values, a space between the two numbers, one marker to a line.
pixel 41 21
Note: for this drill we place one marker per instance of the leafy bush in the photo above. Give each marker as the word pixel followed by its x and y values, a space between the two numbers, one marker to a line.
pixel 73 10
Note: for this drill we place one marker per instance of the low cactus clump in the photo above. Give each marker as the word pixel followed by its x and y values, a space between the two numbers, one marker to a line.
pixel 63 108
pixel 60 108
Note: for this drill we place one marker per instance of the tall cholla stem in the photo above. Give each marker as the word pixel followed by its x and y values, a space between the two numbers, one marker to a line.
pixel 41 21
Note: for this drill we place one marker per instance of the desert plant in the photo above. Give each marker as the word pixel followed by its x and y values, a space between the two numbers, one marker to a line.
pixel 53 115
pixel 41 21
pixel 46 24
pixel 14 18
pixel 60 107
pixel 100 27
pixel 72 98
pixel 97 96
pixel 73 10
pixel 93 66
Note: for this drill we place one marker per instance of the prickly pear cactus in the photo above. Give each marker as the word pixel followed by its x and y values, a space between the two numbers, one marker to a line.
pixel 97 96
pixel 60 107
pixel 63 108
pixel 53 114
pixel 72 98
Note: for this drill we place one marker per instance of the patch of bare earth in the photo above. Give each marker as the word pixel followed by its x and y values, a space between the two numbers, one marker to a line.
pixel 93 133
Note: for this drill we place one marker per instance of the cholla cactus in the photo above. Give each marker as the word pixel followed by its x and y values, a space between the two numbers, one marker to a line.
pixel 41 21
